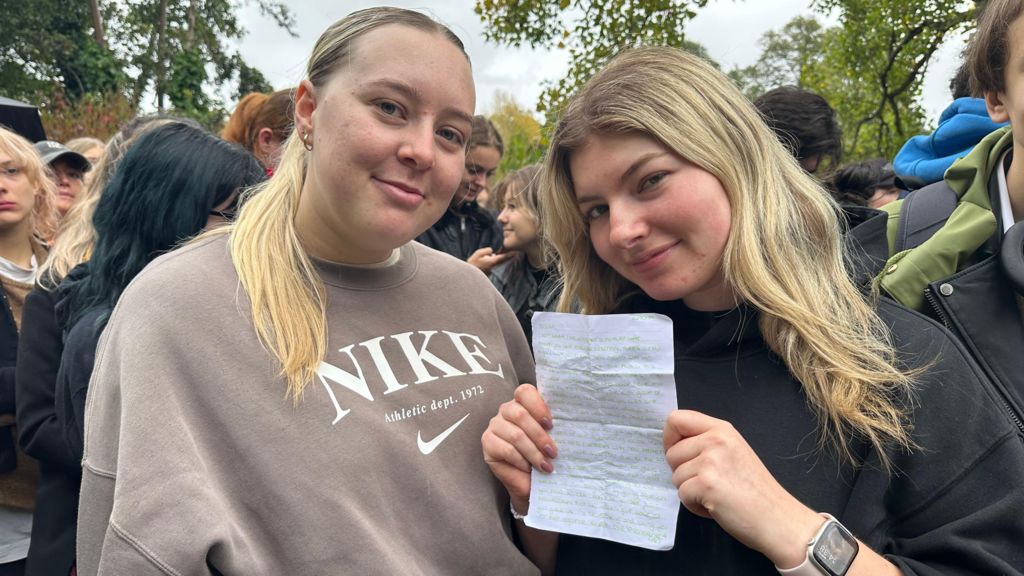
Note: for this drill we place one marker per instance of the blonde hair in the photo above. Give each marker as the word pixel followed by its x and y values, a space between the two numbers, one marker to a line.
pixel 83 144
pixel 76 235
pixel 44 211
pixel 286 294
pixel 784 255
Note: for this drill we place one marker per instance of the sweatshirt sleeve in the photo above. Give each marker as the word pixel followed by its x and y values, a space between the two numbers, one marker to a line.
pixel 39 351
pixel 147 503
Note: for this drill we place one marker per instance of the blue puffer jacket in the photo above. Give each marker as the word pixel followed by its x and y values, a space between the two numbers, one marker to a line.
pixel 924 159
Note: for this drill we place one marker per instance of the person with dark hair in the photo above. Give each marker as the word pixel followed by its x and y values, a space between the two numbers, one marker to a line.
pixel 924 159
pixel 870 183
pixel 805 123
pixel 957 245
pixel 528 282
pixel 466 230
pixel 175 181
pixel 261 123
pixel 52 549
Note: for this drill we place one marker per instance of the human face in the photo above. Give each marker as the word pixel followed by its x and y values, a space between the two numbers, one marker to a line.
pixel 388 132
pixel 69 184
pixel 17 193
pixel 481 163
pixel 658 220
pixel 518 225
pixel 883 196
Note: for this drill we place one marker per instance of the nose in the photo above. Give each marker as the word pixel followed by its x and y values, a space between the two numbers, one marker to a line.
pixel 417 150
pixel 503 216
pixel 627 226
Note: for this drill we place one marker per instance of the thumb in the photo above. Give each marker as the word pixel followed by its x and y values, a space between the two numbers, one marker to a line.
pixel 684 424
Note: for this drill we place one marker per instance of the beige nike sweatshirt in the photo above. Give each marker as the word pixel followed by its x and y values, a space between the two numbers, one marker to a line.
pixel 196 463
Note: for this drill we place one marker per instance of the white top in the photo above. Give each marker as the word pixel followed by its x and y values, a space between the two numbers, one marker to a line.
pixel 14 272
pixel 1006 210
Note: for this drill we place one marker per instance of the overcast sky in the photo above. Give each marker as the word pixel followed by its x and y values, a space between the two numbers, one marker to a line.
pixel 729 29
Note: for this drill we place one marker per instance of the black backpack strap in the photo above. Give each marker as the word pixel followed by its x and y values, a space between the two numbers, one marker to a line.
pixel 923 212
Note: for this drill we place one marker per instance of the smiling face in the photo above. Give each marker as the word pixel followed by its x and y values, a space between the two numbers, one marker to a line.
pixel 388 132
pixel 17 193
pixel 518 225
pixel 659 221
pixel 481 163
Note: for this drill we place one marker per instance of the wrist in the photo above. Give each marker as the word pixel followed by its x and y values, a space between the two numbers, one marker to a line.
pixel 520 507
pixel 789 544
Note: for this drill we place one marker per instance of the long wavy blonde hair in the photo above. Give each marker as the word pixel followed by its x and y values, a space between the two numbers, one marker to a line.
pixel 75 234
pixel 784 255
pixel 44 212
pixel 286 293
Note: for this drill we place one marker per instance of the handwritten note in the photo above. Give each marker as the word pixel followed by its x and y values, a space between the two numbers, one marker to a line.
pixel 609 383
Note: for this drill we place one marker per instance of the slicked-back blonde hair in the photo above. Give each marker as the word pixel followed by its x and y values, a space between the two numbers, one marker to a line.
pixel 784 255
pixel 286 294
pixel 44 212
pixel 76 235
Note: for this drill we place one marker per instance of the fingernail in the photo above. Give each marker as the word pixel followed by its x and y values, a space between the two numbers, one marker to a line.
pixel 547 423
pixel 547 467
pixel 549 450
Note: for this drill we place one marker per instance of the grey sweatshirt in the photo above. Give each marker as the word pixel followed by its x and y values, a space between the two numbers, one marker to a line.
pixel 196 463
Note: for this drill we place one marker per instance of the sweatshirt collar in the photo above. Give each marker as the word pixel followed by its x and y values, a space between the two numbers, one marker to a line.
pixel 369 278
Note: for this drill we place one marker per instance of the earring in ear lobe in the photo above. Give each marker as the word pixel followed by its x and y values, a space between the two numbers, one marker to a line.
pixel 305 142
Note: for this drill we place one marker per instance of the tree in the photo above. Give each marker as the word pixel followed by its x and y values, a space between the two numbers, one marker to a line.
pixel 592 31
pixel 521 132
pixel 786 55
pixel 874 63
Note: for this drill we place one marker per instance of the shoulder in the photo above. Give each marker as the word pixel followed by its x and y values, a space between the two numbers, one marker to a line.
pixel 441 266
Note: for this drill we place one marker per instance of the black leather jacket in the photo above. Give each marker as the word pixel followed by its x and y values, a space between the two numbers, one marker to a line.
pixel 462 230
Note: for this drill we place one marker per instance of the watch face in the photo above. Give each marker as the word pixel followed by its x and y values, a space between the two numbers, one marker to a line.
pixel 835 549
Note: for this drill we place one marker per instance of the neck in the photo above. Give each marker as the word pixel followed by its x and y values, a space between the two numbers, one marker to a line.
pixel 1015 184
pixel 535 255
pixel 16 244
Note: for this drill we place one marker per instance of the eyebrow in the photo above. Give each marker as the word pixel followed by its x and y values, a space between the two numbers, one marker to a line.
pixel 633 169
pixel 414 94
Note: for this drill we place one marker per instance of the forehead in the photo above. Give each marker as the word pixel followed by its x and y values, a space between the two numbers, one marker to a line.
pixel 427 61
pixel 604 158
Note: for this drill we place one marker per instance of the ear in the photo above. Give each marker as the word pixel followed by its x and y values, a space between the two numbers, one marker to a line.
pixel 995 103
pixel 263 139
pixel 305 106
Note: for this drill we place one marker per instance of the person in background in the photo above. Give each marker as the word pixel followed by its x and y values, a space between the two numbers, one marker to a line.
pixel 870 183
pixel 27 215
pixel 466 230
pixel 811 414
pixel 91 148
pixel 67 169
pixel 805 123
pixel 52 550
pixel 261 395
pixel 260 124
pixel 924 159
pixel 527 282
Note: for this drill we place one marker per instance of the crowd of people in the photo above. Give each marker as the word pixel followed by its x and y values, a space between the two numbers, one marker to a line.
pixel 304 345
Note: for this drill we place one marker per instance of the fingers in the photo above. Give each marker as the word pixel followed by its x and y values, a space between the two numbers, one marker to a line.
pixel 686 423
pixel 529 397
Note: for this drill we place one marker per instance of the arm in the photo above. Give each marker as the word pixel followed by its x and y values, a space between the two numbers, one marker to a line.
pixel 39 352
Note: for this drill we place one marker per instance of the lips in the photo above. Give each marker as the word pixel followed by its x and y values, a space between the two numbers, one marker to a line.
pixel 403 194
pixel 650 259
pixel 8 205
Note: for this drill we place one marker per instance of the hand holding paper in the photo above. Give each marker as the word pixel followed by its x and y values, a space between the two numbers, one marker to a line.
pixel 609 383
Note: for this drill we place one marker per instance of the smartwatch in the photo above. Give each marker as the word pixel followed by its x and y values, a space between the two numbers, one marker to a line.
pixel 829 553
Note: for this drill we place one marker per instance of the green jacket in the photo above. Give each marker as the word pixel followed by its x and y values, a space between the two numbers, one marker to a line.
pixel 954 246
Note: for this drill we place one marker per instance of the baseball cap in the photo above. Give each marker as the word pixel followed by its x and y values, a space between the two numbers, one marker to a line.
pixel 49 151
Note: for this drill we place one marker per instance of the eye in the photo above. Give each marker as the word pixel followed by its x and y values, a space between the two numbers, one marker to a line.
pixel 11 171
pixel 453 136
pixel 652 180
pixel 595 212
pixel 388 108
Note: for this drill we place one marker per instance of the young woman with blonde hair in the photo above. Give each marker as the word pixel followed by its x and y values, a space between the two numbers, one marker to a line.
pixel 28 215
pixel 799 396
pixel 295 394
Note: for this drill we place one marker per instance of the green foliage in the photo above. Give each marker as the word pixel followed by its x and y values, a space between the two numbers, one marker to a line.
pixel 786 55
pixel 250 80
pixel 591 30
pixel 524 140
pixel 873 67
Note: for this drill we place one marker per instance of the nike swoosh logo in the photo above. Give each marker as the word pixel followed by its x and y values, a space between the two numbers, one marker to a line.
pixel 428 447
